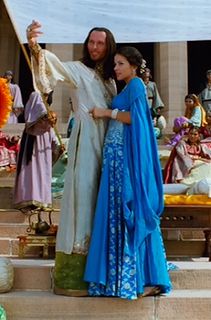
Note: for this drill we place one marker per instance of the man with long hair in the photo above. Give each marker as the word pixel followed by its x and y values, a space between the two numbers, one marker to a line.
pixel 91 84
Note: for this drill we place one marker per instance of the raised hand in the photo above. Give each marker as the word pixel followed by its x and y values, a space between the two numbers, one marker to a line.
pixel 33 32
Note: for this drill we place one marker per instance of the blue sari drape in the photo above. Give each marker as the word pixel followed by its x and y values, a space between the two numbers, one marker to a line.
pixel 142 187
pixel 126 251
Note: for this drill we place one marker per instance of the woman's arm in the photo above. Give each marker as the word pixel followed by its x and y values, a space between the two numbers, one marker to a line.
pixel 196 117
pixel 122 116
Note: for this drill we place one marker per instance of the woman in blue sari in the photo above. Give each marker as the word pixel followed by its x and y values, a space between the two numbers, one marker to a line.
pixel 126 254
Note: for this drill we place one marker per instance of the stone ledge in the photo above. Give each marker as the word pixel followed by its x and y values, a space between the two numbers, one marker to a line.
pixel 190 275
pixel 180 304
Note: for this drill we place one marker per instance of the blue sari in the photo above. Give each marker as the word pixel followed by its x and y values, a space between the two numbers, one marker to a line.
pixel 126 251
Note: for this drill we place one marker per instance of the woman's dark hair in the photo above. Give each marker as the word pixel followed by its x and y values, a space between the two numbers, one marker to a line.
pixel 196 102
pixel 193 97
pixel 9 73
pixel 145 71
pixel 108 61
pixel 133 56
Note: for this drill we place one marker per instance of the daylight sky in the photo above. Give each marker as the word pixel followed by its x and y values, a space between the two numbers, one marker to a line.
pixel 68 21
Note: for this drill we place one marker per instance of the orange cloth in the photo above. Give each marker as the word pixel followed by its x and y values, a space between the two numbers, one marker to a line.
pixel 5 102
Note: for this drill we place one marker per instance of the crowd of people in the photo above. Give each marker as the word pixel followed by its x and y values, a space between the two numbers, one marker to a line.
pixel 109 241
pixel 9 145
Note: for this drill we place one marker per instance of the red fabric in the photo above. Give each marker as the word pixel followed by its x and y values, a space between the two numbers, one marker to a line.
pixel 167 173
pixel 9 148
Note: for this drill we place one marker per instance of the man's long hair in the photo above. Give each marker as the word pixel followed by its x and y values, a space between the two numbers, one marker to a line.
pixel 108 61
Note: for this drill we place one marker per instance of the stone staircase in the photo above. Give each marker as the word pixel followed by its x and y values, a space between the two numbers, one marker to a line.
pixel 32 295
pixel 13 223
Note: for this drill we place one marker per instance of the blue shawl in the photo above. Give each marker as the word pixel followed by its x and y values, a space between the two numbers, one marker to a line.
pixel 142 184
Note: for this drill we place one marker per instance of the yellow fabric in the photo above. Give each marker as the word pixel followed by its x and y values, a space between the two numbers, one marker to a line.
pixel 203 117
pixel 199 199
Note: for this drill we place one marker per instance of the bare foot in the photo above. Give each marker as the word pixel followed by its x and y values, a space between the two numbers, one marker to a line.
pixel 151 291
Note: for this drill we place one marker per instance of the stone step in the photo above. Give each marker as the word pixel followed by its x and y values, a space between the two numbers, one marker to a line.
pixel 179 304
pixel 17 129
pixel 184 248
pixel 14 223
pixel 195 274
pixel 9 248
pixel 14 129
pixel 12 230
pixel 31 274
pixel 12 216
pixel 6 196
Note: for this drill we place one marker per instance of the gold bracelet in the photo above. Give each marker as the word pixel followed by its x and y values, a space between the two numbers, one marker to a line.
pixel 35 49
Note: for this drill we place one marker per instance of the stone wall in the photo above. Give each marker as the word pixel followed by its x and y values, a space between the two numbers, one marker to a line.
pixel 9 45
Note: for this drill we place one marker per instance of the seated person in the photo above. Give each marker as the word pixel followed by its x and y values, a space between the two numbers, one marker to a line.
pixel 206 130
pixel 159 122
pixel 9 147
pixel 194 116
pixel 189 162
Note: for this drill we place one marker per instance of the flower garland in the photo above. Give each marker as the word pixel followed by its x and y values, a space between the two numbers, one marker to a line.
pixel 5 102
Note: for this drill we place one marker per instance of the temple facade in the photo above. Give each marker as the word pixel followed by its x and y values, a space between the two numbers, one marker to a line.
pixel 173 65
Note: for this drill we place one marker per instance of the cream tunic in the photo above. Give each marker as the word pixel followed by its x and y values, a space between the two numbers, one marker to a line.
pixel 85 145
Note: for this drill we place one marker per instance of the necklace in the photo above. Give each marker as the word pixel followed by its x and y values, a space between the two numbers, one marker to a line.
pixel 109 88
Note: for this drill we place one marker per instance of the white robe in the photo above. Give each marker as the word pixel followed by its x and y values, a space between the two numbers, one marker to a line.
pixel 87 90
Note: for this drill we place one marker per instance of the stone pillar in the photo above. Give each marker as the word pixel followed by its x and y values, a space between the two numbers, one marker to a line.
pixel 171 77
pixel 78 51
pixel 61 95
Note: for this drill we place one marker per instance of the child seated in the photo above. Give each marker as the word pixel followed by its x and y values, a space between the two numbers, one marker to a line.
pixel 194 116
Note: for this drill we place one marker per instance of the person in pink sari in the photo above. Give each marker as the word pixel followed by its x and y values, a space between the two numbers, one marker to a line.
pixel 189 161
